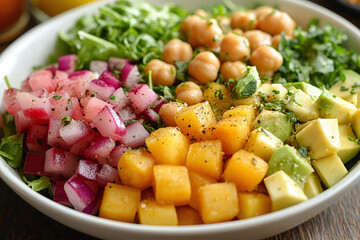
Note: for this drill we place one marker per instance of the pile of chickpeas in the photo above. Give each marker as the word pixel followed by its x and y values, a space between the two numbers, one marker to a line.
pixel 247 37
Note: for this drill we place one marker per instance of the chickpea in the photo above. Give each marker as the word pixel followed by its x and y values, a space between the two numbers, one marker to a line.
pixel 162 73
pixel 224 23
pixel 244 20
pixel 168 111
pixel 204 67
pixel 234 47
pixel 257 38
pixel 187 23
pixel 262 11
pixel 177 50
pixel 267 60
pixel 276 23
pixel 234 70
pixel 201 13
pixel 275 41
pixel 205 33
pixel 189 92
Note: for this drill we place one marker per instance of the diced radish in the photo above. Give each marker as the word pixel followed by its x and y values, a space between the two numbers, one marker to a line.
pixel 158 103
pixel 98 66
pixel 68 63
pixel 130 75
pixel 79 147
pixel 22 122
pixel 59 163
pixel 94 206
pixel 60 195
pixel 92 107
pixel 109 124
pixel 42 79
pixel 81 80
pixel 99 149
pixel 93 185
pixel 107 174
pixel 54 139
pixel 74 131
pixel 36 138
pixel 135 135
pixel 110 79
pixel 116 154
pixel 77 111
pixel 101 89
pixel 63 83
pixel 34 107
pixel 127 113
pixel 52 68
pixel 40 93
pixel 151 114
pixel 78 193
pixel 34 163
pixel 87 169
pixel 119 99
pixel 9 101
pixel 117 63
pixel 141 97
pixel 62 106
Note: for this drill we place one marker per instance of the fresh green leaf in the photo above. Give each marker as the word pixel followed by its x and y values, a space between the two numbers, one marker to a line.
pixel 8 125
pixel 182 70
pixel 7 82
pixel 11 149
pixel 38 184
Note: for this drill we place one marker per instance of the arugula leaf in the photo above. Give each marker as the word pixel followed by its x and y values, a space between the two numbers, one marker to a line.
pixel 8 125
pixel 182 70
pixel 11 149
pixel 38 184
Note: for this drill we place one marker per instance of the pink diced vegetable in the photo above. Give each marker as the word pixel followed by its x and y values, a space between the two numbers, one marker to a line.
pixel 92 107
pixel 9 101
pixel 98 66
pixel 34 163
pixel 54 139
pixel 74 131
pixel 59 163
pixel 135 135
pixel 119 99
pixel 42 79
pixel 22 122
pixel 67 63
pixel 34 107
pixel 79 147
pixel 107 174
pixel 109 124
pixel 127 113
pixel 158 103
pixel 116 154
pixel 87 169
pixel 101 89
pixel 141 97
pixel 117 63
pixel 130 75
pixel 78 193
pixel 36 138
pixel 151 114
pixel 110 79
pixel 81 80
pixel 99 149
pixel 94 206
pixel 60 195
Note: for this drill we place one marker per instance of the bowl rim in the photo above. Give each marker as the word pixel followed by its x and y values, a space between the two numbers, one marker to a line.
pixel 17 185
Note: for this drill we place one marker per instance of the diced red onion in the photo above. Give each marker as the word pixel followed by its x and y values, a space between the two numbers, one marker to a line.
pixel 109 124
pixel 54 139
pixel 135 135
pixel 120 99
pixel 36 138
pixel 99 149
pixel 60 195
pixel 94 206
pixel 91 107
pixel 34 107
pixel 87 169
pixel 141 97
pixel 22 122
pixel 74 131
pixel 151 114
pixel 79 147
pixel 81 80
pixel 67 63
pixel 107 174
pixel 117 63
pixel 78 193
pixel 130 75
pixel 98 66
pixel 158 103
pixel 110 79
pixel 52 68
pixel 116 154
pixel 127 113
pixel 10 102
pixel 34 163
pixel 59 163
pixel 101 89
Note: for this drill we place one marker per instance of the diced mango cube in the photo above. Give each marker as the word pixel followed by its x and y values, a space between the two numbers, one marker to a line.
pixel 283 191
pixel 188 216
pixel 196 181
pixel 348 148
pixel 219 97
pixel 253 204
pixel 135 168
pixel 206 158
pixel 246 170
pixel 168 146
pixel 330 169
pixel 119 202
pixel 247 111
pixel 153 213
pixel 172 184
pixel 218 202
pixel 232 132
pixel 312 186
pixel 195 120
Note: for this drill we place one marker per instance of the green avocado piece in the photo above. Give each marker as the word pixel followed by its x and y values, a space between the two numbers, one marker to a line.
pixel 312 91
pixel 246 87
pixel 349 86
pixel 331 106
pixel 275 122
pixel 287 159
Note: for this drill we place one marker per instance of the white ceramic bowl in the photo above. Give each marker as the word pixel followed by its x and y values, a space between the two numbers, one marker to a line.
pixel 33 48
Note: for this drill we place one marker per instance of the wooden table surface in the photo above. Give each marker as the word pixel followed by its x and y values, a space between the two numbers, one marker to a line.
pixel 18 220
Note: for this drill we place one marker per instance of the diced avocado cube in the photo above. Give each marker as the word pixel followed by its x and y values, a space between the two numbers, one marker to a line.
pixel 353 99
pixel 288 159
pixel 349 86
pixel 283 191
pixel 312 186
pixel 330 169
pixel 272 91
pixel 312 91
pixel 320 137
pixel 301 105
pixel 355 123
pixel 330 106
pixel 348 148
pixel 262 143
pixel 275 122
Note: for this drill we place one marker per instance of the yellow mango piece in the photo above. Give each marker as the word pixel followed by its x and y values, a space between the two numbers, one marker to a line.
pixel 218 202
pixel 172 185
pixel 219 97
pixel 152 213
pixel 247 111
pixel 232 132
pixel 253 204
pixel 196 181
pixel 168 146
pixel 194 121
pixel 246 170
pixel 119 202
pixel 206 158
pixel 188 216
pixel 135 168
pixel 312 186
